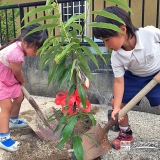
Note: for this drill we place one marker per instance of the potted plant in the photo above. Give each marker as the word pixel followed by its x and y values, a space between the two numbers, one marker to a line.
pixel 67 61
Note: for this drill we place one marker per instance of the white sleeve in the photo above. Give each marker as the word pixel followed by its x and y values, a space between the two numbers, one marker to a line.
pixel 117 65
pixel 155 32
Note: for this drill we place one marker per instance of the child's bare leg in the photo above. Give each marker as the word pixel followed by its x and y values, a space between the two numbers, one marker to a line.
pixel 6 142
pixel 125 133
pixel 15 122
pixel 5 110
pixel 16 105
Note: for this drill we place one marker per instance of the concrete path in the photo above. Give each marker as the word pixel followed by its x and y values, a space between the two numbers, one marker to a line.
pixel 146 132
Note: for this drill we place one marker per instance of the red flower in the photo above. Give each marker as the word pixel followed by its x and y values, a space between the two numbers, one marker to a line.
pixel 74 98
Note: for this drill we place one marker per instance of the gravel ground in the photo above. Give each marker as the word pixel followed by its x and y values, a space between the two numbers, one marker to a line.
pixel 146 132
pixel 145 126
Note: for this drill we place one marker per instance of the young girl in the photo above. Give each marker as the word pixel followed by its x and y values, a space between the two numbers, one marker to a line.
pixel 12 56
pixel 135 60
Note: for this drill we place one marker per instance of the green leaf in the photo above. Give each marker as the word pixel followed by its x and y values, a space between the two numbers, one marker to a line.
pixel 74 18
pixel 82 118
pixel 73 67
pixel 108 15
pixel 47 62
pixel 48 2
pixel 86 70
pixel 42 19
pixel 107 58
pixel 51 73
pixel 54 5
pixel 81 57
pixel 106 26
pixel 77 147
pixel 45 46
pixel 64 76
pixel 77 40
pixel 82 94
pixel 120 4
pixel 90 54
pixel 71 90
pixel 67 47
pixel 53 21
pixel 45 57
pixel 36 10
pixel 60 123
pixel 92 119
pixel 59 69
pixel 76 26
pixel 95 47
pixel 58 47
pixel 53 116
pixel 67 131
pixel 50 118
pixel 42 27
pixel 48 40
pixel 73 33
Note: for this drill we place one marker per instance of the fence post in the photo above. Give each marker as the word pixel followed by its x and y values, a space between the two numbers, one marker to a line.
pixel 21 16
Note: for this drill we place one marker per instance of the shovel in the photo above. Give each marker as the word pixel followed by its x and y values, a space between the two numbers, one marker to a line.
pixel 42 129
pixel 93 150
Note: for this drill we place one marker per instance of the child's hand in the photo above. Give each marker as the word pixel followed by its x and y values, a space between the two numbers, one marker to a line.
pixel 120 119
pixel 114 112
pixel 17 71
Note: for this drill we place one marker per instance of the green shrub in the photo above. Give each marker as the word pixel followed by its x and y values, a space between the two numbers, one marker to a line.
pixel 8 26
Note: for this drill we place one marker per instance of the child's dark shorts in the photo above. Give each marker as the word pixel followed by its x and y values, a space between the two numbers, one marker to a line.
pixel 133 84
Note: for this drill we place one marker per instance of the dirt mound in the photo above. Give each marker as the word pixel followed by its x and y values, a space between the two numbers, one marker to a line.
pixel 32 148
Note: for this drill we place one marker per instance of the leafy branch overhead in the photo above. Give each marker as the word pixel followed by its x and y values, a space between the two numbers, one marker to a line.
pixel 64 48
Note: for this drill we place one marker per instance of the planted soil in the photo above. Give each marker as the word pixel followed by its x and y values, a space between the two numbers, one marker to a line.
pixel 32 148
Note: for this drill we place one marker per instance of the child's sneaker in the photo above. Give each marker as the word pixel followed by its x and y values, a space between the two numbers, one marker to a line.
pixel 123 136
pixel 17 123
pixel 9 145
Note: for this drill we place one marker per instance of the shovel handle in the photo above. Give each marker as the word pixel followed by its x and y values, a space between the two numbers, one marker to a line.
pixel 30 99
pixel 133 102
pixel 140 95
pixel 35 106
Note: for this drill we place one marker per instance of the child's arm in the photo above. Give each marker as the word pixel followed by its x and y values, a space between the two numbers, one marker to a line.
pixel 17 71
pixel 118 90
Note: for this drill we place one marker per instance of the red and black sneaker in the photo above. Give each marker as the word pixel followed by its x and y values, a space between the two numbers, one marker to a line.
pixel 123 136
